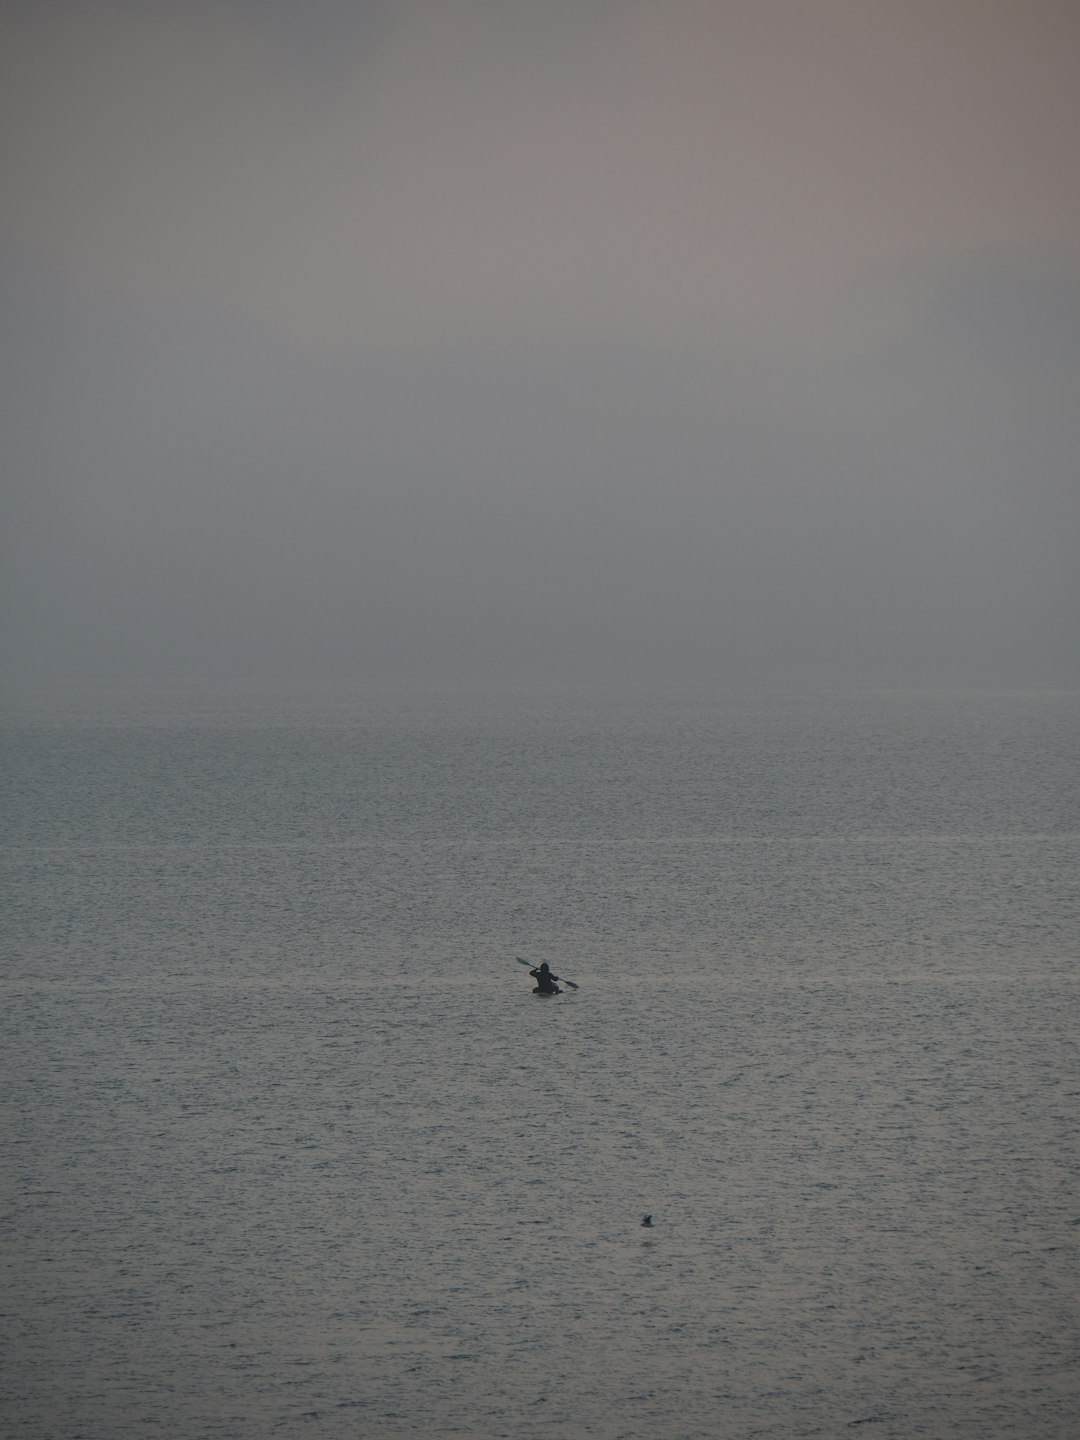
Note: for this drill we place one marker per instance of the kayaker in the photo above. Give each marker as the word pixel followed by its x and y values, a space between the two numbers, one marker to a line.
pixel 545 980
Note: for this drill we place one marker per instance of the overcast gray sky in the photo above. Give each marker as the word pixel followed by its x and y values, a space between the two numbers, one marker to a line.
pixel 541 337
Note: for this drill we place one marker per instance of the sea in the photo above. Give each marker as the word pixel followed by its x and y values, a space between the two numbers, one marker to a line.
pixel 289 1148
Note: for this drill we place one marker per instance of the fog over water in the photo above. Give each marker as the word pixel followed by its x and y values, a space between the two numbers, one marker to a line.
pixel 483 477
pixel 479 339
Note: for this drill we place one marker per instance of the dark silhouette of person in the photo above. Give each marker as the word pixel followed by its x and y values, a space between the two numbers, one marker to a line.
pixel 546 982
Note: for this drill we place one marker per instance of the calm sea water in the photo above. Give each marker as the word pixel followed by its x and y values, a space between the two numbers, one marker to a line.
pixel 289 1148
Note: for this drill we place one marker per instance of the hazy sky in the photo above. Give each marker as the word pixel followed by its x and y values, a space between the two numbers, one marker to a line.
pixel 541 337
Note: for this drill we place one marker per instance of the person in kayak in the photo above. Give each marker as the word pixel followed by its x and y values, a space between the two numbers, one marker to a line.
pixel 545 981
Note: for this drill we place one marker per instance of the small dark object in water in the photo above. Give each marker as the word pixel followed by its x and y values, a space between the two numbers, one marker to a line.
pixel 646 1220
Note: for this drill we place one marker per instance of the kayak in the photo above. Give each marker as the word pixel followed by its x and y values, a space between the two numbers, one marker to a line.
pixel 538 991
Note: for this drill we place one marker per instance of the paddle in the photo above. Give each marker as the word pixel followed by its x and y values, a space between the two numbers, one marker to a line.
pixel 562 981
